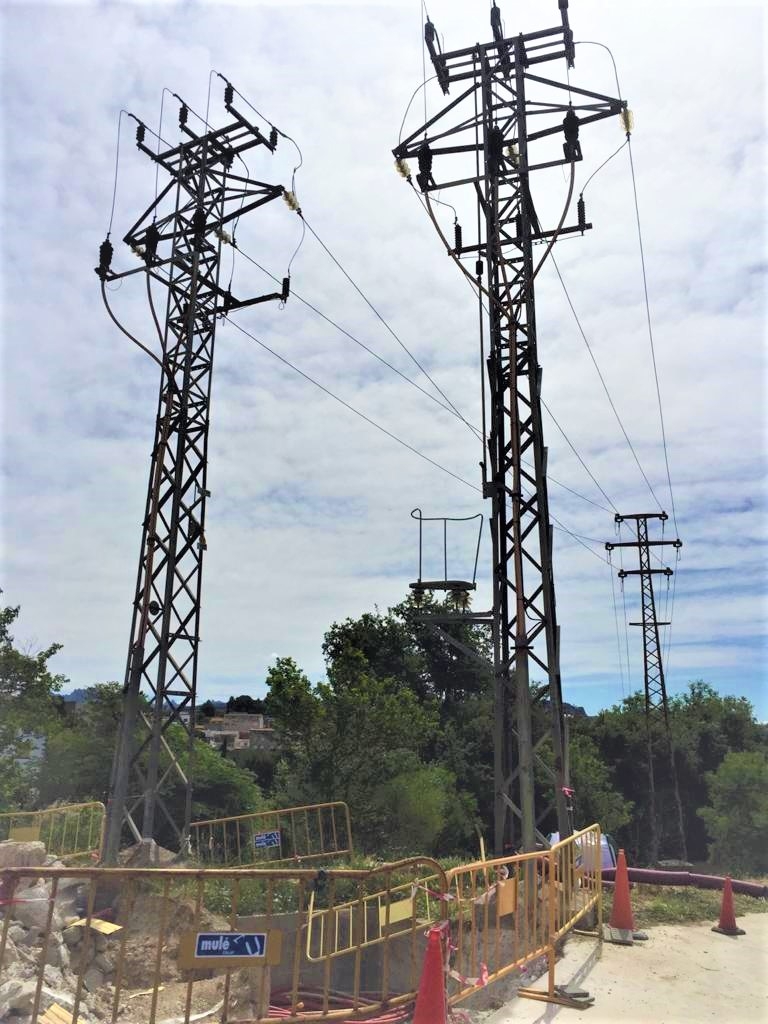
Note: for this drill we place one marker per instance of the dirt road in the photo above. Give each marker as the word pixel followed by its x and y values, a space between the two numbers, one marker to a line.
pixel 683 974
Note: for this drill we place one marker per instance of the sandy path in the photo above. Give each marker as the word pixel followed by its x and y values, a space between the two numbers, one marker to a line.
pixel 683 974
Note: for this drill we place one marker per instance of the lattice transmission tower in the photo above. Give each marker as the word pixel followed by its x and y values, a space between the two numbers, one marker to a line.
pixel 656 705
pixel 209 188
pixel 506 123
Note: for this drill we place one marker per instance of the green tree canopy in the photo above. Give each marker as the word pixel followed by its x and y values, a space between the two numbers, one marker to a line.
pixel 28 706
pixel 737 821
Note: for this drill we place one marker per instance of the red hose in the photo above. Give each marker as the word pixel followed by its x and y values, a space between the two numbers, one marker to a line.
pixel 312 1001
pixel 650 876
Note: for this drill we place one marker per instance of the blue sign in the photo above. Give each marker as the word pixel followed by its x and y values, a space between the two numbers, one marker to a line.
pixel 226 944
pixel 261 840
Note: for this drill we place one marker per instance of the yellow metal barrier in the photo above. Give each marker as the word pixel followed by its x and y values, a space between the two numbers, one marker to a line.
pixel 147 946
pixel 68 832
pixel 294 834
pixel 511 911
pixel 151 946
pixel 370 920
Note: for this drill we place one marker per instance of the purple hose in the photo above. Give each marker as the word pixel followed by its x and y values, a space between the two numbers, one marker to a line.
pixel 651 877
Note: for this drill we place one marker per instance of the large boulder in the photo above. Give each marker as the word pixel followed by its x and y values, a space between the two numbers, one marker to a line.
pixel 15 854
pixel 30 908
pixel 93 979
pixel 16 995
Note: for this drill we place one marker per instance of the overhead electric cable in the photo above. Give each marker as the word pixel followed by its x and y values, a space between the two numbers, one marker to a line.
pixel 618 634
pixel 650 335
pixel 373 309
pixel 591 42
pixel 351 408
pixel 581 460
pixel 479 290
pixel 602 165
pixel 579 538
pixel 409 380
pixel 626 617
pixel 421 85
pixel 117 164
pixel 603 382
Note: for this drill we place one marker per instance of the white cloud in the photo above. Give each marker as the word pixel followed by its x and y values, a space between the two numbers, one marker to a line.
pixel 309 520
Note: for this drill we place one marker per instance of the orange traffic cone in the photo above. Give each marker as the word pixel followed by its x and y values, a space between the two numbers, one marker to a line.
pixel 431 1005
pixel 621 915
pixel 727 923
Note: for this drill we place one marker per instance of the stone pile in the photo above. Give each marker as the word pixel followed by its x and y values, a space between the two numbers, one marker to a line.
pixel 70 952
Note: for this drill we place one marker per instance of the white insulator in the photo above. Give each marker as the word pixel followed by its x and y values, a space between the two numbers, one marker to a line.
pixel 627 119
pixel 290 200
pixel 402 168
pixel 224 237
pixel 137 250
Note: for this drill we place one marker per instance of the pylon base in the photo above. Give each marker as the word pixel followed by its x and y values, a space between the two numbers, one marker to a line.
pixel 733 932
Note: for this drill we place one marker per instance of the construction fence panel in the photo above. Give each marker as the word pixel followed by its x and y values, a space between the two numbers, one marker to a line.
pixel 69 831
pixel 504 914
pixel 155 946
pixel 293 834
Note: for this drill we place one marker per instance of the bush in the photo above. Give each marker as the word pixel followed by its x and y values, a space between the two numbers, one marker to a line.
pixel 737 819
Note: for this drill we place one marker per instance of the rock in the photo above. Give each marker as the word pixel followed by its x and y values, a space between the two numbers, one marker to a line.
pixel 52 976
pixel 93 979
pixel 58 953
pixel 73 936
pixel 11 955
pixel 104 963
pixel 32 907
pixel 21 855
pixel 16 995
pixel 100 942
pixel 16 933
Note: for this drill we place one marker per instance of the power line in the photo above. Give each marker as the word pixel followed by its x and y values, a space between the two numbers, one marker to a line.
pixel 618 634
pixel 591 42
pixel 579 538
pixel 351 337
pixel 581 460
pixel 479 290
pixel 650 332
pixel 415 384
pixel 351 408
pixel 117 165
pixel 603 382
pixel 387 326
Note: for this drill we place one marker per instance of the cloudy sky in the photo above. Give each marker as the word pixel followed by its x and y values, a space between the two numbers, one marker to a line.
pixel 309 517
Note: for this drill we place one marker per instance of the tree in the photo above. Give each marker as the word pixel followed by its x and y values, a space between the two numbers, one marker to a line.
pixel 705 726
pixel 596 799
pixel 79 751
pixel 737 821
pixel 246 705
pixel 362 736
pixel 28 701
pixel 78 763
pixel 290 700
pixel 452 683
pixel 207 709
pixel 425 812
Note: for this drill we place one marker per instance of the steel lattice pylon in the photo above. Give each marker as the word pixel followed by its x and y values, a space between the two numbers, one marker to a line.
pixel 489 121
pixel 656 706
pixel 181 251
